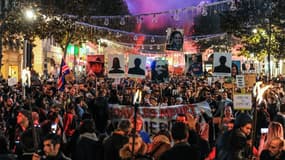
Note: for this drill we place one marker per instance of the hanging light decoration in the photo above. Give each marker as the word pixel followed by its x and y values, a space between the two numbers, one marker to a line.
pixel 142 47
pixel 118 35
pixel 150 47
pixel 154 19
pixel 139 20
pixel 176 15
pixel 158 47
pixel 122 21
pixel 204 10
pixel 106 21
pixel 152 40
pixel 135 38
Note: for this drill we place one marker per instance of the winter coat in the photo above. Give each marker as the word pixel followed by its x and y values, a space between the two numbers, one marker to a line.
pixel 126 153
pixel 181 151
pixel 88 147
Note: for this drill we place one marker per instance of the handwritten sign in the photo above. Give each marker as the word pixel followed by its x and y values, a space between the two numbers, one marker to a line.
pixel 242 101
pixel 240 81
pixel 12 81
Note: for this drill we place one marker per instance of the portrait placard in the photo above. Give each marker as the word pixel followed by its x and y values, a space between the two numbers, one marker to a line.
pixel 222 64
pixel 116 66
pixel 174 39
pixel 136 66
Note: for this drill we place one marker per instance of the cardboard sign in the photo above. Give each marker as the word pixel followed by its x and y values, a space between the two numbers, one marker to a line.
pixel 250 80
pixel 242 101
pixel 12 81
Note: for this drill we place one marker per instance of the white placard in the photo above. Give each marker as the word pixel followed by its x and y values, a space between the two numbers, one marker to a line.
pixel 240 81
pixel 12 81
pixel 242 101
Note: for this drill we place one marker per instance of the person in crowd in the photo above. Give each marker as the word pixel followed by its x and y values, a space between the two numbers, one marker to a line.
pixel 5 153
pixel 88 146
pixel 116 66
pixel 51 149
pixel 117 140
pixel 175 41
pixel 161 142
pixel 140 148
pixel 52 125
pixel 275 150
pixel 100 112
pixel 275 129
pixel 181 149
pixel 139 128
pixel 222 68
pixel 240 142
pixel 136 69
pixel 24 143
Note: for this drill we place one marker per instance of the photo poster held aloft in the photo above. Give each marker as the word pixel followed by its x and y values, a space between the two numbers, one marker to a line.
pixel 174 39
pixel 116 66
pixel 236 68
pixel 159 71
pixel 222 64
pixel 193 65
pixel 95 65
pixel 136 66
pixel 248 67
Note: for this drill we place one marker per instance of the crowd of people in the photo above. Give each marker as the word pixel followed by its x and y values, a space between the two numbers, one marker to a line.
pixel 42 123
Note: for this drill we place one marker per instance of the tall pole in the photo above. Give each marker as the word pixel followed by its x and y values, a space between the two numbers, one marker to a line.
pixel 269 50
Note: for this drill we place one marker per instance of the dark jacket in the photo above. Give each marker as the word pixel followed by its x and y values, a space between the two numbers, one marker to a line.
pixel 239 149
pixel 265 155
pixel 112 146
pixel 60 156
pixel 181 151
pixel 88 147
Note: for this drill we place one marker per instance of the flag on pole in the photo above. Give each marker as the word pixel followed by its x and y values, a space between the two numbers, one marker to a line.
pixel 64 70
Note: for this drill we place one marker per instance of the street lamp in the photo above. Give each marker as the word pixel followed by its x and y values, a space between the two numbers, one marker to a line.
pixel 30 14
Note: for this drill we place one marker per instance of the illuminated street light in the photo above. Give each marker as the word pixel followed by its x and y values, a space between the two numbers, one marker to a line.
pixel 30 14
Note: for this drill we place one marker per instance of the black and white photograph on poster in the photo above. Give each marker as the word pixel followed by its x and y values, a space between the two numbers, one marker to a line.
pixel 159 71
pixel 248 67
pixel 136 66
pixel 222 64
pixel 116 66
pixel 174 39
pixel 193 64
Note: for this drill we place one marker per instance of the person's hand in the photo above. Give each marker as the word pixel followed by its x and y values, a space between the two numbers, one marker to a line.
pixel 36 157
pixel 191 121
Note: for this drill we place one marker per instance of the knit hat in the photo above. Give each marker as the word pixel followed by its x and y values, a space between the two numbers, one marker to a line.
pixel 242 119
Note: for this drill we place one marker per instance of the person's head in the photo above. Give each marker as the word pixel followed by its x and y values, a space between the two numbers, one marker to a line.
pixel 275 146
pixel 125 126
pixel 244 123
pixel 23 118
pixel 137 62
pixel 51 145
pixel 116 63
pixel 228 111
pixel 179 132
pixel 139 123
pixel 87 126
pixel 223 60
pixel 176 39
pixel 138 142
pixel 275 129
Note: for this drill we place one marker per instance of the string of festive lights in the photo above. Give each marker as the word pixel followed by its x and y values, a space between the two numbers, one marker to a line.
pixel 204 9
pixel 155 47
pixel 136 35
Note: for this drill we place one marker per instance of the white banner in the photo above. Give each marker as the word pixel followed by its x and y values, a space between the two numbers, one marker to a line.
pixel 242 101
